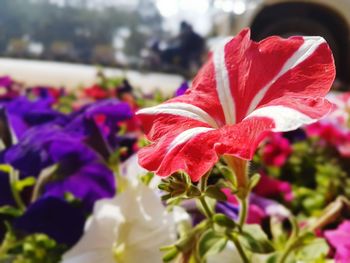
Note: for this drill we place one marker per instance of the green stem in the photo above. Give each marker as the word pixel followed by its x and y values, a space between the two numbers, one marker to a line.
pixel 203 187
pixel 204 182
pixel 243 212
pixel 7 243
pixel 290 246
pixel 43 178
pixel 207 211
pixel 239 247
pixel 16 196
pixel 287 251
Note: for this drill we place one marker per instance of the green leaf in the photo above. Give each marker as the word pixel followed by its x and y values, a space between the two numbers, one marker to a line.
pixel 10 211
pixel 279 236
pixel 223 220
pixel 6 168
pixel 193 191
pixel 254 180
pixel 265 258
pixel 215 192
pixel 26 182
pixel 255 240
pixel 312 250
pixel 170 254
pixel 147 178
pixel 211 243
pixel 227 174
pixel 210 202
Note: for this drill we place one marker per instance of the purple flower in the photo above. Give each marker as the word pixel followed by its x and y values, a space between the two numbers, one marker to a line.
pixel 89 183
pixel 104 115
pixel 81 170
pixel 182 89
pixel 55 217
pixel 6 197
pixel 24 113
pixel 228 209
pixel 259 208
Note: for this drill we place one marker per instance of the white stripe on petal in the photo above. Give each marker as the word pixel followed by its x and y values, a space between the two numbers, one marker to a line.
pixel 186 136
pixel 181 109
pixel 285 118
pixel 223 85
pixel 305 50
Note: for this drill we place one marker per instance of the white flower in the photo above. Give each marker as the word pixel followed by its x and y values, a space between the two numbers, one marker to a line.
pixel 132 171
pixel 129 228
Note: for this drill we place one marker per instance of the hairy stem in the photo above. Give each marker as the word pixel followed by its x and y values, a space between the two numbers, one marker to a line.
pixel 206 208
pixel 243 212
pixel 239 247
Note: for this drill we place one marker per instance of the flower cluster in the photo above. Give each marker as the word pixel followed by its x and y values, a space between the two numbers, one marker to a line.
pixel 56 165
pixel 236 167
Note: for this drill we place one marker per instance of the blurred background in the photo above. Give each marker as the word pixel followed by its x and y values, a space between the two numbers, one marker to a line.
pixel 160 35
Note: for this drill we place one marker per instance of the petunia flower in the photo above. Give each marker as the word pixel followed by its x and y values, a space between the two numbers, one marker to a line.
pixel 276 150
pixel 182 89
pixel 96 92
pixel 9 89
pixel 243 91
pixel 6 81
pixel 6 196
pixel 132 171
pixel 341 111
pixel 55 217
pixel 128 228
pixel 331 134
pixel 270 187
pixel 335 128
pixel 106 114
pixel 81 170
pixel 339 239
pixel 259 208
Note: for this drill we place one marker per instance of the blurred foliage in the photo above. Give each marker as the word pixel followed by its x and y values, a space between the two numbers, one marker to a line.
pixel 318 173
pixel 36 248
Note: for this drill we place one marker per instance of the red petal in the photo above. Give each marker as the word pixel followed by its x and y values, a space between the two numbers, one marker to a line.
pixel 198 155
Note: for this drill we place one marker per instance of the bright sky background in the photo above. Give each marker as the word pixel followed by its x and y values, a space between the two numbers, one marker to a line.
pixel 196 12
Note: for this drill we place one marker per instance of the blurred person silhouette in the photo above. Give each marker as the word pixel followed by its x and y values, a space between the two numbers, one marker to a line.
pixel 184 50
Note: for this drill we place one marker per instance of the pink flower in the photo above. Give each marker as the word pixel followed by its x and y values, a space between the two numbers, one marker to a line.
pixel 276 150
pixel 273 188
pixel 333 135
pixel 245 90
pixel 327 131
pixel 341 110
pixel 339 239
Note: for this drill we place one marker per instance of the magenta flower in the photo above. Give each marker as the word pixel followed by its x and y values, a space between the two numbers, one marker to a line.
pixel 339 239
pixel 331 134
pixel 273 188
pixel 276 150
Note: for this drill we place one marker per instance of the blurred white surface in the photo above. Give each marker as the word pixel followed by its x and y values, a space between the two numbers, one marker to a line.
pixel 33 72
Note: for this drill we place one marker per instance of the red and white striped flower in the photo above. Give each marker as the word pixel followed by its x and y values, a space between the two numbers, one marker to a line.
pixel 244 90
